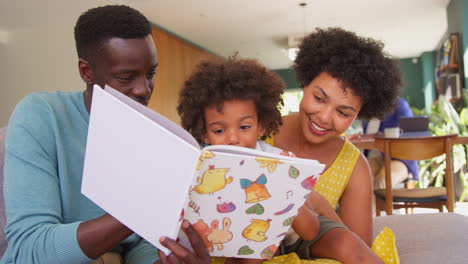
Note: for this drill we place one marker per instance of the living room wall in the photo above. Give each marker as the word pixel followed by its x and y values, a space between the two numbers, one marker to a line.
pixel 457 18
pixel 288 77
pixel 428 78
pixel 413 84
pixel 38 54
pixel 177 59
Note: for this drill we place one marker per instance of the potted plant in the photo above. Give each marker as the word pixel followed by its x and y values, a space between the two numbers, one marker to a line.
pixel 444 119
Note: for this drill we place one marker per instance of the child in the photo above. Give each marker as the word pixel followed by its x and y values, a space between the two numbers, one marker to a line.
pixel 235 102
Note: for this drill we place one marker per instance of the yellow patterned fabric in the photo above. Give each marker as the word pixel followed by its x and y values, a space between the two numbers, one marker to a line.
pixel 292 258
pixel 333 181
pixel 385 246
pixel 217 260
pixel 270 141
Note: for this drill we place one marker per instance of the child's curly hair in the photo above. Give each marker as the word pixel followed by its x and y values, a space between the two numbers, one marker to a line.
pixel 359 63
pixel 215 81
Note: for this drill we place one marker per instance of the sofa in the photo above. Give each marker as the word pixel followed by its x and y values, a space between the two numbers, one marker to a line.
pixel 428 238
pixel 3 242
pixel 420 238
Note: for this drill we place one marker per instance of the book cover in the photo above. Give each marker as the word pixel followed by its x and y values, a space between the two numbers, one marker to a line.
pixel 149 173
pixel 243 201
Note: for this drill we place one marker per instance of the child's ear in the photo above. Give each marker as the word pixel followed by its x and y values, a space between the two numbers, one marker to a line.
pixel 205 139
pixel 261 131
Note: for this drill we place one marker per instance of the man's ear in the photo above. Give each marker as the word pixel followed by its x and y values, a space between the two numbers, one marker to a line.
pixel 86 71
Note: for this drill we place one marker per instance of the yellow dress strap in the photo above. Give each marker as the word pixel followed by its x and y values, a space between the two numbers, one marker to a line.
pixel 270 141
pixel 333 181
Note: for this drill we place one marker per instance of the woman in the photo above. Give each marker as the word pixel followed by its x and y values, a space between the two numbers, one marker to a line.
pixel 344 77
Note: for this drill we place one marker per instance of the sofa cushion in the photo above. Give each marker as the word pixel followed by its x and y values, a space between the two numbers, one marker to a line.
pixel 428 238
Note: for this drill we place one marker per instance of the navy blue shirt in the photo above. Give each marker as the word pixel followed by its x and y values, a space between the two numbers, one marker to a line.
pixel 402 110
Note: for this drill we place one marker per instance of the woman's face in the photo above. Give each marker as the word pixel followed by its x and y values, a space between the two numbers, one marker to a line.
pixel 326 110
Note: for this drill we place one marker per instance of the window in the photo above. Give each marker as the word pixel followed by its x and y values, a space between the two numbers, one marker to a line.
pixel 292 99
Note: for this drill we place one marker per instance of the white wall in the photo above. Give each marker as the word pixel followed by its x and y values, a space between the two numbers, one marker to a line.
pixel 39 52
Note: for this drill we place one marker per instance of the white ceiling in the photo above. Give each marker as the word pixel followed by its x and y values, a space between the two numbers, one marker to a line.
pixel 259 28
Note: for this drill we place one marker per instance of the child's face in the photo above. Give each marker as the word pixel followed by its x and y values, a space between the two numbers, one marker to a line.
pixel 237 124
pixel 326 110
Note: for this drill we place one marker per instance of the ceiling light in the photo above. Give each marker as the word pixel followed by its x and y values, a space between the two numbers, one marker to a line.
pixel 292 53
pixel 294 41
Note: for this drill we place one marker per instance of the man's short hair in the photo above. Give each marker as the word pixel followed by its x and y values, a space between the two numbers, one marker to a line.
pixel 97 25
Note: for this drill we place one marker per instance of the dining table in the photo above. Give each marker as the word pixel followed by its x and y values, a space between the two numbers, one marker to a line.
pixel 364 142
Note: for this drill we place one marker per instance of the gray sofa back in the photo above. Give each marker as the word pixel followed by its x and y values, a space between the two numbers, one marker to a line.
pixel 3 242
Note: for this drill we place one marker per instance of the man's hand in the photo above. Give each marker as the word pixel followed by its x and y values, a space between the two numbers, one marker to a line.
pixel 181 254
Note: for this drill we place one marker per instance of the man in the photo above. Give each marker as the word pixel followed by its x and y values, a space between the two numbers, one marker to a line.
pixel 402 170
pixel 48 219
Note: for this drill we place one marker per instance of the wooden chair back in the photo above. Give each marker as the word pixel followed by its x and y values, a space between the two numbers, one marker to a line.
pixel 419 148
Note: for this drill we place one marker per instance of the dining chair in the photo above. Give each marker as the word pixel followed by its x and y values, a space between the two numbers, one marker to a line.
pixel 417 148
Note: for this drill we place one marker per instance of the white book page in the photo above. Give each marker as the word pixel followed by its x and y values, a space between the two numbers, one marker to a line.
pixel 254 152
pixel 136 170
pixel 163 121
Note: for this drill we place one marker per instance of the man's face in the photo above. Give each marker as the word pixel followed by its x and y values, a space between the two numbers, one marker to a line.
pixel 127 65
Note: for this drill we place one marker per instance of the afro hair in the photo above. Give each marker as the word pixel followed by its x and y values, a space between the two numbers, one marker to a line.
pixel 216 81
pixel 359 63
pixel 97 25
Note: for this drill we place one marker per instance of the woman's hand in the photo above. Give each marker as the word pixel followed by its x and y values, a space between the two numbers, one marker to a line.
pixel 180 254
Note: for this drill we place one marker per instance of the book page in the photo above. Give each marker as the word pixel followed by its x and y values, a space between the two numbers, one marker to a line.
pixel 254 152
pixel 243 204
pixel 373 126
pixel 161 120
pixel 136 170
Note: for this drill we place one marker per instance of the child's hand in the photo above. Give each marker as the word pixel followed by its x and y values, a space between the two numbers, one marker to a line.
pixel 306 223
pixel 309 204
pixel 315 201
pixel 321 206
pixel 287 153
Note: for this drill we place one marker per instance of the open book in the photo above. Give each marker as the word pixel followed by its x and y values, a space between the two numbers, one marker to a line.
pixel 149 173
